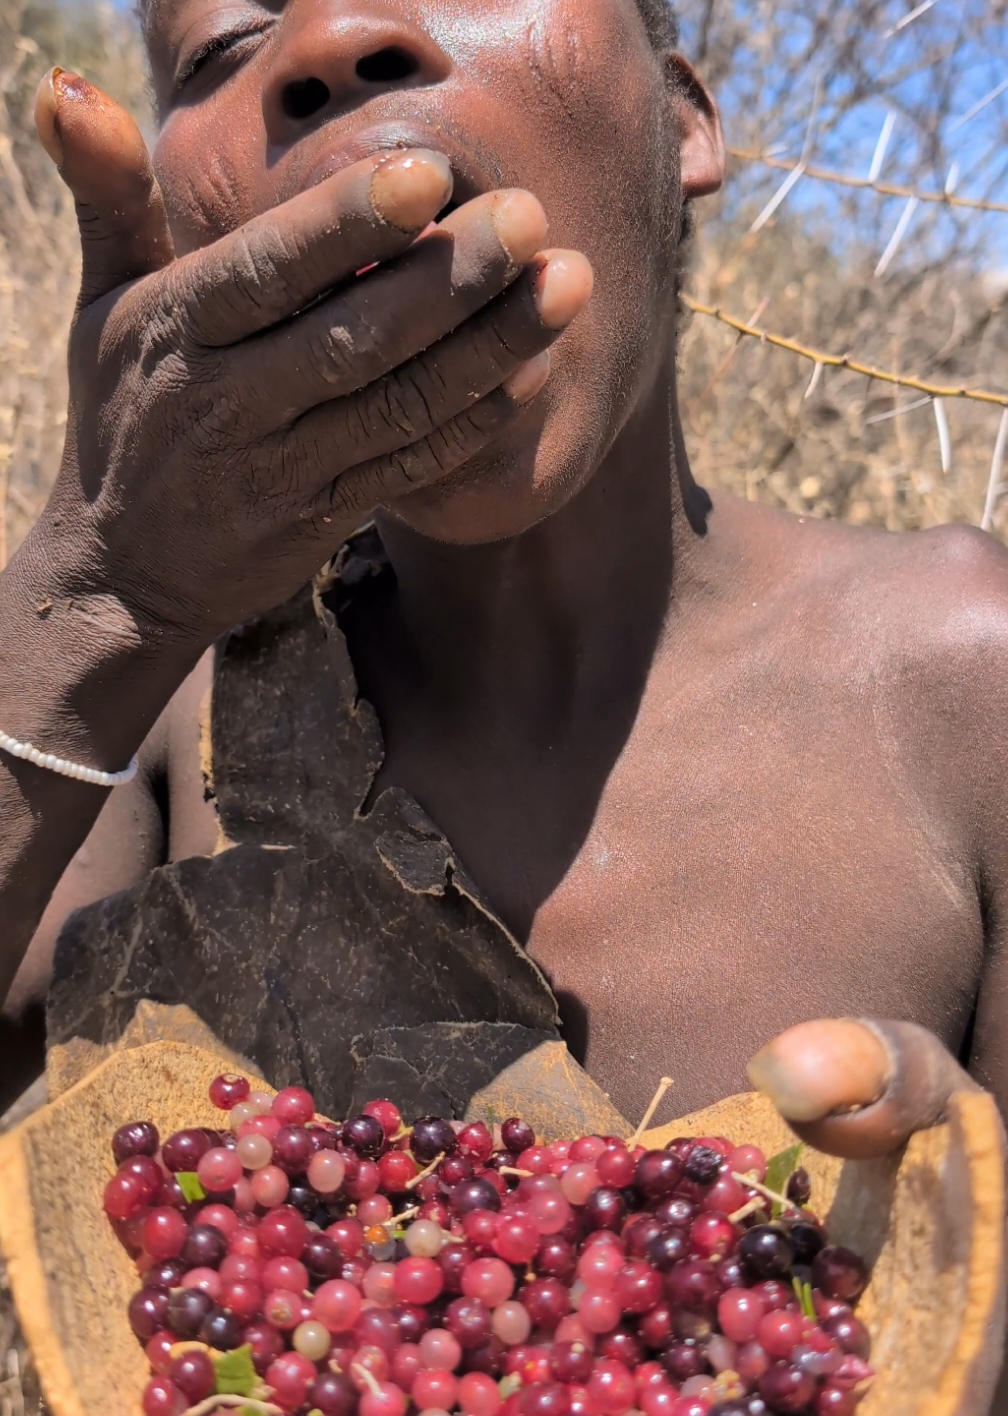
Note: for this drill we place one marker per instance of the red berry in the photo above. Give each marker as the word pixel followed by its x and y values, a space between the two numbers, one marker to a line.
pixel 613 1388
pixel 395 1168
pixel 164 1233
pixel 293 1106
pixel 615 1166
pixel 417 1280
pixel 476 1141
pixel 638 1287
pixel 289 1375
pixel 779 1332
pixel 387 1114
pixel 282 1231
pixel 161 1397
pixel 228 1090
pixel 125 1195
pixel 158 1351
pixel 516 1240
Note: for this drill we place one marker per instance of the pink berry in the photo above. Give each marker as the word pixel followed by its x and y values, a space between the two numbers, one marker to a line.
pixel 516 1240
pixel 578 1181
pixel 386 1399
pixel 219 1170
pixel 744 1159
pixel 490 1280
pixel 478 1394
pixel 284 1272
pixel 638 1287
pixel 440 1349
pixel 293 1106
pixel 337 1305
pixel 599 1310
pixel 379 1284
pixel 417 1280
pixel 434 1388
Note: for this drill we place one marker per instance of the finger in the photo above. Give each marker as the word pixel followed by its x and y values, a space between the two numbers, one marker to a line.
pixel 280 261
pixel 359 491
pixel 417 398
pixel 103 159
pixel 858 1087
pixel 353 338
pixel 414 400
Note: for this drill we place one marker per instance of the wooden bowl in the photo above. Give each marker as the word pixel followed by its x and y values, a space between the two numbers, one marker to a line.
pixel 930 1220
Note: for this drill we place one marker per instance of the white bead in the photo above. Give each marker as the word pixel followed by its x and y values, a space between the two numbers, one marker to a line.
pixel 27 752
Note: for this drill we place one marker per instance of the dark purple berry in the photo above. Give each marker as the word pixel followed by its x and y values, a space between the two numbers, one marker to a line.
pixel 658 1173
pixel 321 1256
pixel 147 1311
pixel 677 1210
pixel 766 1252
pixel 413 1321
pixel 165 1275
pixel 785 1388
pixel 205 1247
pixel 702 1165
pixel 806 1241
pixel 517 1135
pixel 606 1208
pixel 303 1198
pixel 135 1138
pixel 693 1285
pixel 432 1136
pixel 682 1360
pixel 187 1308
pixel 849 1333
pixel 366 1135
pixel 185 1149
pixel 839 1273
pixel 222 1330
pixel 668 1247
pixel 293 1148
pixel 334 1394
pixel 474 1195
pixel 799 1187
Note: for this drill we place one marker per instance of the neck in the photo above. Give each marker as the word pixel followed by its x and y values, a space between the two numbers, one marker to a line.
pixel 509 676
pixel 531 621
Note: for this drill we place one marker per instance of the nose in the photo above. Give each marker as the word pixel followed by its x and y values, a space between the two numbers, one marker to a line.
pixel 333 58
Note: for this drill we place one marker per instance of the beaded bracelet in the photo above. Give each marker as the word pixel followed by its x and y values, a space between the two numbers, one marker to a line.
pixel 97 778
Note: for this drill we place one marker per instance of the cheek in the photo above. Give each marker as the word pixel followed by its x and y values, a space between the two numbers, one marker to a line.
pixel 209 180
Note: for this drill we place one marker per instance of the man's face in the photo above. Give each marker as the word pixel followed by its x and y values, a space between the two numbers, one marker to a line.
pixel 566 98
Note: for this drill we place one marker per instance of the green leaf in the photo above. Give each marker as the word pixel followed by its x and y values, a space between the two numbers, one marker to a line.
pixel 235 1374
pixel 779 1169
pixel 190 1186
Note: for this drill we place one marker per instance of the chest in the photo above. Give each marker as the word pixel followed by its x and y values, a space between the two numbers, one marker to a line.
pixel 751 865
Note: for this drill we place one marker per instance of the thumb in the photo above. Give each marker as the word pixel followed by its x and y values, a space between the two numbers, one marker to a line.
pixel 858 1087
pixel 104 161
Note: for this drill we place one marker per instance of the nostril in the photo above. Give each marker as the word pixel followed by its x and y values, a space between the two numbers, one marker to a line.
pixel 304 97
pixel 386 66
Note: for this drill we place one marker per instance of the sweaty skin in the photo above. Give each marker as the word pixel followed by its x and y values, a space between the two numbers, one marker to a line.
pixel 723 770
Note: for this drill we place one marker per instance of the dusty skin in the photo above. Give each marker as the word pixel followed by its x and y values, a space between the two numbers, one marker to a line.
pixel 721 769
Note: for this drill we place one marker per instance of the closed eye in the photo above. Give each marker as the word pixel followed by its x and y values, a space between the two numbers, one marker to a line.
pixel 228 45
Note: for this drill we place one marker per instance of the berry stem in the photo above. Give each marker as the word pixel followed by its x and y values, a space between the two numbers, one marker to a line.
pixel 513 1170
pixel 750 1207
pixel 663 1087
pixel 758 1185
pixel 429 1170
pixel 368 1378
pixel 211 1403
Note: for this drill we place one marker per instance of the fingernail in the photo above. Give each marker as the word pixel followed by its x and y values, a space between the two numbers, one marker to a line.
pixel 409 188
pixel 817 1068
pixel 563 286
pixel 520 223
pixel 47 116
pixel 525 383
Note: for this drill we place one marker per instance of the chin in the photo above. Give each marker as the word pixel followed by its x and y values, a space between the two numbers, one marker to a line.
pixel 531 472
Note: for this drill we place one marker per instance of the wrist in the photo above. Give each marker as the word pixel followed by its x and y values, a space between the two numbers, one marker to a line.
pixel 80 676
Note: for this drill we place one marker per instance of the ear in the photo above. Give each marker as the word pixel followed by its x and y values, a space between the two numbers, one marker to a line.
pixel 702 151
